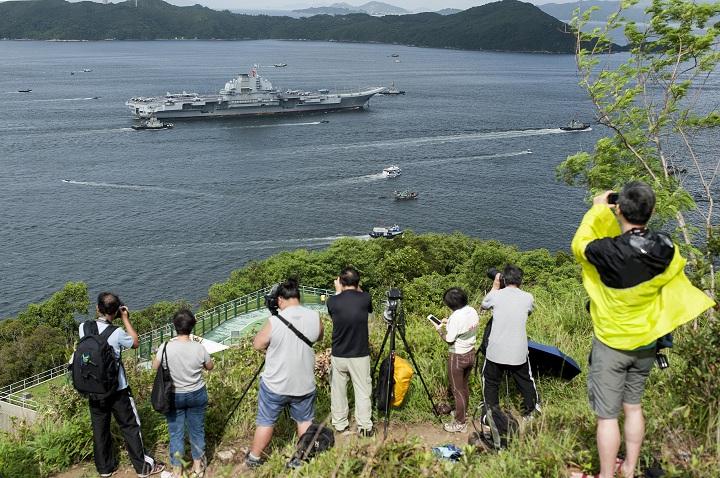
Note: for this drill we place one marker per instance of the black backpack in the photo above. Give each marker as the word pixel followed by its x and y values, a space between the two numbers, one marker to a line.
pixel 381 391
pixel 498 427
pixel 315 440
pixel 94 368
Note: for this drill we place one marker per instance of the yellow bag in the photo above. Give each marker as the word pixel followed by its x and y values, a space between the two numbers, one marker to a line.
pixel 402 374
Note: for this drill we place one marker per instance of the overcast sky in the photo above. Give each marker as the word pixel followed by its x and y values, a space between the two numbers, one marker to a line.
pixel 412 5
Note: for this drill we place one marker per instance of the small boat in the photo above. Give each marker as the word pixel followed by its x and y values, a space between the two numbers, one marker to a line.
pixel 24 91
pixel 324 121
pixel 392 171
pixel 95 97
pixel 152 123
pixel 386 232
pixel 392 90
pixel 405 195
pixel 86 70
pixel 575 125
pixel 395 55
pixel 397 61
pixel 280 65
pixel 323 91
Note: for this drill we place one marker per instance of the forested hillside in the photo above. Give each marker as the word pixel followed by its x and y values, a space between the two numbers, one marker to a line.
pixel 508 25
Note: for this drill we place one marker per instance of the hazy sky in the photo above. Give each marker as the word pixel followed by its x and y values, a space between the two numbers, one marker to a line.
pixel 412 5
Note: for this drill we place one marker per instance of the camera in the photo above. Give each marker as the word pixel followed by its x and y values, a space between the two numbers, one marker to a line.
pixel 613 198
pixel 393 310
pixel 271 299
pixel 492 272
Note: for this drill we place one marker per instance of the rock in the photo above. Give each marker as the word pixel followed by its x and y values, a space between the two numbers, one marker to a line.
pixel 226 455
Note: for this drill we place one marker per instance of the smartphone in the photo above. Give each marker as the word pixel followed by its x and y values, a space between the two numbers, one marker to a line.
pixel 613 198
pixel 434 319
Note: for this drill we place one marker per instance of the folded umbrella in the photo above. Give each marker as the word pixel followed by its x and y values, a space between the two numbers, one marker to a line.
pixel 549 360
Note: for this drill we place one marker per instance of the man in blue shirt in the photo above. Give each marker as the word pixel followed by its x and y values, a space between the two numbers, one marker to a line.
pixel 120 404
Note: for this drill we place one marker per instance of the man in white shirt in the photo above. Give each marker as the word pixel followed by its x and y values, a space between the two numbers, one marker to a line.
pixel 507 349
pixel 121 403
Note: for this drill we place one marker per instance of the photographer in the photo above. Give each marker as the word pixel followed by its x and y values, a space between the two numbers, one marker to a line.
pixel 120 403
pixel 638 293
pixel 459 330
pixel 507 348
pixel 288 378
pixel 349 310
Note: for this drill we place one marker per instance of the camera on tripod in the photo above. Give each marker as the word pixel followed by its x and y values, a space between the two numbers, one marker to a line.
pixel 393 309
pixel 271 299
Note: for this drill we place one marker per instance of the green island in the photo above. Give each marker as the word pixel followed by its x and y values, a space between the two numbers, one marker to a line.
pixel 508 25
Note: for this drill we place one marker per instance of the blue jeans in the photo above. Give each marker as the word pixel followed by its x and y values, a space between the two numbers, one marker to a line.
pixel 189 411
pixel 271 405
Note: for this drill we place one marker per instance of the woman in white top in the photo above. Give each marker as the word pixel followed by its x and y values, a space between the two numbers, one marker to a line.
pixel 459 330
pixel 186 360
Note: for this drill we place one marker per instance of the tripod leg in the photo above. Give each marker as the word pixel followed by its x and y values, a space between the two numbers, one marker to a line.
pixel 374 369
pixel 417 368
pixel 239 401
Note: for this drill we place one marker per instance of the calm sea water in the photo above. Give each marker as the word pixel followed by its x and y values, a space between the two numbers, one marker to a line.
pixel 164 214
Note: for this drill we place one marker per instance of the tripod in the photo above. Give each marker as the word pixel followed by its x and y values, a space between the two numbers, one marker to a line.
pixel 396 326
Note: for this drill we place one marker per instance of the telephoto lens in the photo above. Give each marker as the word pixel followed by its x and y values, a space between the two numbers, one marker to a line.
pixel 491 273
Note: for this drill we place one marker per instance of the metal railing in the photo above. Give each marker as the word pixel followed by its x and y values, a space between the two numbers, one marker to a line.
pixel 207 320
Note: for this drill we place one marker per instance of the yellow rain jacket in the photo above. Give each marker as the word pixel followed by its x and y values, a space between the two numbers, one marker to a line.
pixel 627 319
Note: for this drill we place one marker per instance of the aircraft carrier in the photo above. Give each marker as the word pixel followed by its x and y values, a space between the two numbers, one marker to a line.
pixel 248 95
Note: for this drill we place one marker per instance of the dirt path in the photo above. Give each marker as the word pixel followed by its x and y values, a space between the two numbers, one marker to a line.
pixel 431 434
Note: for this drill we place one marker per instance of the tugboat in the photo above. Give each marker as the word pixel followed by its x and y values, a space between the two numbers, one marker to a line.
pixel 392 171
pixel 386 232
pixel 152 123
pixel 392 90
pixel 575 125
pixel 405 195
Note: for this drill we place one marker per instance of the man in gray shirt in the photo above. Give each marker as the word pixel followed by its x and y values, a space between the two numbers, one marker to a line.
pixel 507 348
pixel 288 378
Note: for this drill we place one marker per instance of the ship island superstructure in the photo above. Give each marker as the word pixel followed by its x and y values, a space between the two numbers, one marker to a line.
pixel 249 94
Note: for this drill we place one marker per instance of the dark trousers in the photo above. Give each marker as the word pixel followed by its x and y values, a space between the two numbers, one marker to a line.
pixel 122 406
pixel 459 368
pixel 521 374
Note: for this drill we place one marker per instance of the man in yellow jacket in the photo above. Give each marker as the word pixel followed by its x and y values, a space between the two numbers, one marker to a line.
pixel 638 293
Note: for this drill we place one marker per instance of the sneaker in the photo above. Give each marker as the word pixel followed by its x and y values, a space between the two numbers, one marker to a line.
pixel 455 427
pixel 158 468
pixel 367 433
pixel 107 475
pixel 253 461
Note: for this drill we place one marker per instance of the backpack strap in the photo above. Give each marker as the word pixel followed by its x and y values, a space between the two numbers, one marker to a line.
pixel 294 330
pixel 107 332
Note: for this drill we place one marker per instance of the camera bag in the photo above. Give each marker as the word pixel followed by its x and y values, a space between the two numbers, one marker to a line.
pixel 498 428
pixel 315 440
pixel 94 367
pixel 163 391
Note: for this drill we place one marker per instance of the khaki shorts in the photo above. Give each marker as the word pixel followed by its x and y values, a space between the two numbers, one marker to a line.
pixel 617 377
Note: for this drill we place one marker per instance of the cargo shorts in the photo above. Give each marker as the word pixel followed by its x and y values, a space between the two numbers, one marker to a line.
pixel 617 377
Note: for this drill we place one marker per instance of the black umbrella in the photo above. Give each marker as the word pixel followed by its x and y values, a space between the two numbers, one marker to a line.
pixel 549 360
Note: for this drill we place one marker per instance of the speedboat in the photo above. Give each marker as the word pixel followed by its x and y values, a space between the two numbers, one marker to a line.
pixel 575 125
pixel 324 121
pixel 86 70
pixel 386 232
pixel 405 195
pixel 392 171
pixel 394 55
pixel 24 91
pixel 280 65
pixel 152 123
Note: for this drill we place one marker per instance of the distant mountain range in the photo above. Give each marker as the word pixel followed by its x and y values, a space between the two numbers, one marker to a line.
pixel 508 25
pixel 371 8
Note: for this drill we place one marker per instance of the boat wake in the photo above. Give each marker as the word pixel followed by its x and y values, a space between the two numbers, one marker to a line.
pixel 138 187
pixel 89 98
pixel 433 161
pixel 480 136
pixel 188 247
